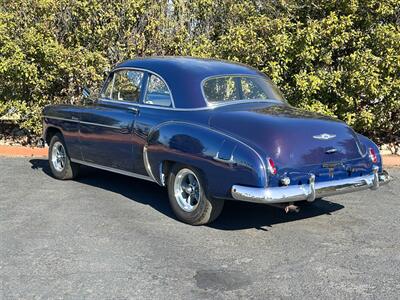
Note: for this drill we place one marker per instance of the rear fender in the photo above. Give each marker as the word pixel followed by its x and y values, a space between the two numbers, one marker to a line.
pixel 223 160
pixel 367 143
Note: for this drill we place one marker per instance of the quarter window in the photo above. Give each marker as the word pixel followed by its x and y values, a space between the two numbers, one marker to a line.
pixel 157 92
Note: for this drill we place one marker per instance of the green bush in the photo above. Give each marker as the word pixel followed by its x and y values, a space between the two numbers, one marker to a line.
pixel 336 57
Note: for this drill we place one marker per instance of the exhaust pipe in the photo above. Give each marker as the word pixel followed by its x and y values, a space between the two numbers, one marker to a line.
pixel 287 207
pixel 292 208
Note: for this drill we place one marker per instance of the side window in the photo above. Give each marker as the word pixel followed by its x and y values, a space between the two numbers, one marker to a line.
pixel 108 86
pixel 126 86
pixel 157 92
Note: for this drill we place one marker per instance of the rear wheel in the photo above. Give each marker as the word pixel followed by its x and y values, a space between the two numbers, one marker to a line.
pixel 60 163
pixel 188 199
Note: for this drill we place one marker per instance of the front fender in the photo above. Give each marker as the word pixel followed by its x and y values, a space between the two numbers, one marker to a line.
pixel 61 117
pixel 223 160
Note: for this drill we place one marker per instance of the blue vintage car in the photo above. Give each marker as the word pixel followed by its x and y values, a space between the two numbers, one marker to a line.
pixel 210 131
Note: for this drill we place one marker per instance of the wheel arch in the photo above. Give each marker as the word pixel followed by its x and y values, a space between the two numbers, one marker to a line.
pixel 50 132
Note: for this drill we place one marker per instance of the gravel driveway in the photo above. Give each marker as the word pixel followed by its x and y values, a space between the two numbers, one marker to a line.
pixel 110 236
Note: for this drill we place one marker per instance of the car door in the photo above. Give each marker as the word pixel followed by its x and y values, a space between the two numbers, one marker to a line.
pixel 106 126
pixel 156 107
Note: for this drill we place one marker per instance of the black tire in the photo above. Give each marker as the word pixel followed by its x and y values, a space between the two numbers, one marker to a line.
pixel 69 169
pixel 207 209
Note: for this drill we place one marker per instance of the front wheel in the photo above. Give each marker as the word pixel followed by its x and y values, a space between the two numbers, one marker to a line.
pixel 60 163
pixel 188 199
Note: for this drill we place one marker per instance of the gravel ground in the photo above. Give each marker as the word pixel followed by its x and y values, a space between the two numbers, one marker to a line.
pixel 110 236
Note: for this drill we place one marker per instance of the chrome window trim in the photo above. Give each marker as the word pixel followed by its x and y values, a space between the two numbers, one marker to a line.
pixel 112 87
pixel 210 104
pixel 150 72
pixel 106 83
pixel 156 106
pixel 147 90
pixel 211 107
pixel 227 103
pixel 114 170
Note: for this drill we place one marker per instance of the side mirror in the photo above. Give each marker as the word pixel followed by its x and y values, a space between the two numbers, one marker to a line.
pixel 85 92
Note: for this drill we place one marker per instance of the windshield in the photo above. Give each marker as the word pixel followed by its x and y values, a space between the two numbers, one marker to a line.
pixel 239 87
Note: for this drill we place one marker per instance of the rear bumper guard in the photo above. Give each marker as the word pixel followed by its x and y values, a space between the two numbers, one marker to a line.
pixel 310 191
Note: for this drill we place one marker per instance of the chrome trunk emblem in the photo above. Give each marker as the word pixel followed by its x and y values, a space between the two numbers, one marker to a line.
pixel 324 136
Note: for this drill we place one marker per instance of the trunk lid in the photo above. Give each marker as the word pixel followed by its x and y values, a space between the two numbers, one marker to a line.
pixel 290 136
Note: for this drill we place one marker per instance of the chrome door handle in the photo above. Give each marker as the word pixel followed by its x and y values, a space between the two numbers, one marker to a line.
pixel 75 118
pixel 134 110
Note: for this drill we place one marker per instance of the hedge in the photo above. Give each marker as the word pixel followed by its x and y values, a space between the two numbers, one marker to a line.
pixel 341 58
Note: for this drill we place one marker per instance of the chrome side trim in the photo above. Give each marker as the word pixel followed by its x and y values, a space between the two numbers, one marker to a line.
pixel 309 191
pixel 147 164
pixel 110 169
pixel 61 119
pixel 82 122
pixel 101 125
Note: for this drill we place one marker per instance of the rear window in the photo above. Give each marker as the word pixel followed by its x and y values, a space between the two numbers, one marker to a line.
pixel 233 88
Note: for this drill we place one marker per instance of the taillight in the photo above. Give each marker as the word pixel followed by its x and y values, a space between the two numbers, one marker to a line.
pixel 372 156
pixel 271 166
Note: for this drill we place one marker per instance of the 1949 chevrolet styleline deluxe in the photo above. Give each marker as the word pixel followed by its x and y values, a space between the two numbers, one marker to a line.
pixel 209 131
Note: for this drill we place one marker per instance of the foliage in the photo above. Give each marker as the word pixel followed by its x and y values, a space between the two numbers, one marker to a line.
pixel 333 56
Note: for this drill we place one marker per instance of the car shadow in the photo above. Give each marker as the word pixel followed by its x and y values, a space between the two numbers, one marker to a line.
pixel 242 215
pixel 138 190
pixel 235 215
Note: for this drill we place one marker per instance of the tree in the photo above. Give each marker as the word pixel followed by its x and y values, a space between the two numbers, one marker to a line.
pixel 336 57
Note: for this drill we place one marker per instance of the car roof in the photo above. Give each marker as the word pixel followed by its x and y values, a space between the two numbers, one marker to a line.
pixel 185 74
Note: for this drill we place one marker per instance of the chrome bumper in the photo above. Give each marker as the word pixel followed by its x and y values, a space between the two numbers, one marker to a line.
pixel 309 191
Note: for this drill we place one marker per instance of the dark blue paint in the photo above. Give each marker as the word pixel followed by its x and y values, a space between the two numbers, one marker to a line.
pixel 106 145
pixel 247 132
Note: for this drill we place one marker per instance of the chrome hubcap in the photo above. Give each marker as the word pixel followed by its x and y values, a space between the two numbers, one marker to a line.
pixel 58 156
pixel 187 190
